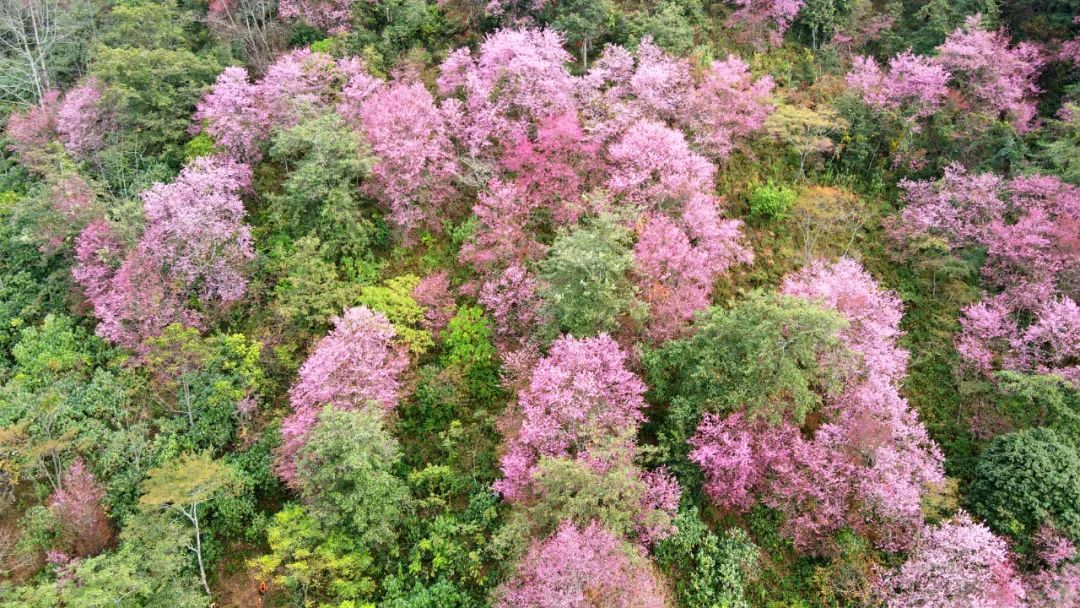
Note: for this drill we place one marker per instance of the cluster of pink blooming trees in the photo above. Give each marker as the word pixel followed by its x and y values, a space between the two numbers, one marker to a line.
pixel 195 246
pixel 869 461
pixel 614 138
pixel 536 150
pixel 975 71
pixel 1028 226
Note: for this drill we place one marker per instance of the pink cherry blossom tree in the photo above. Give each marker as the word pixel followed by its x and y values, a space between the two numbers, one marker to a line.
pixel 513 301
pixel 78 505
pixel 334 16
pixel 578 568
pixel 652 167
pixel 416 164
pixel 763 22
pixel 991 72
pixel 677 263
pixel 914 86
pixel 82 120
pixel 356 365
pixel 580 396
pixel 125 290
pixel 502 236
pixel 32 131
pixel 957 563
pixel 234 116
pixel 1028 227
pixel 195 230
pixel 727 106
pixel 433 293
pixel 516 80
pixel 556 167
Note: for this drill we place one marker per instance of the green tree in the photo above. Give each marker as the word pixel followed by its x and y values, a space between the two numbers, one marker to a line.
pixel 394 299
pixel 199 381
pixel 805 130
pixel 43 404
pixel 310 290
pixel 153 92
pixel 1028 479
pixel 771 355
pixel 1044 401
pixel 468 346
pixel 315 561
pixel 325 161
pixel 183 486
pixel 582 22
pixel 149 569
pixel 345 470
pixel 706 569
pixel 586 283
pixel 669 23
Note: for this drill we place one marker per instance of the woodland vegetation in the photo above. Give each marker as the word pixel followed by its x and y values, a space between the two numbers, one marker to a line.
pixel 540 303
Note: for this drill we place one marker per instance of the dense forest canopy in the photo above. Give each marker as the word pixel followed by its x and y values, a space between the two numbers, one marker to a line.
pixel 540 303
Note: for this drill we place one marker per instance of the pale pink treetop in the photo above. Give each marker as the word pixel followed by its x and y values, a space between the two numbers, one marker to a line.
pixel 517 79
pixel 651 166
pixel 914 85
pixel 81 121
pixel 763 22
pixel 727 106
pixel 579 568
pixel 660 83
pixel 1051 344
pixel 1054 587
pixel 78 504
pixel 994 74
pixel 957 563
pixel 581 395
pixel 894 457
pixel 873 313
pixel 195 230
pixel 513 301
pixel 126 289
pixel 359 85
pixel 622 88
pixel 334 16
pixel 240 115
pixel 234 115
pixel 302 83
pixel 677 263
pixel 745 461
pixel 502 237
pixel 416 164
pixel 433 293
pixel 960 207
pixel 356 365
pixel 32 130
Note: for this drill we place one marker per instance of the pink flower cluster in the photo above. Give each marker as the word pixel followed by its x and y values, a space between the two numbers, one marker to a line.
pixel 195 245
pixel 578 568
pixel 356 365
pixel 982 66
pixel 1029 227
pixel 957 563
pixel 867 464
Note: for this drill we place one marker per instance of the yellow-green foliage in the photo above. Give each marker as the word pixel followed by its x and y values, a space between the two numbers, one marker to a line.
pixel 394 299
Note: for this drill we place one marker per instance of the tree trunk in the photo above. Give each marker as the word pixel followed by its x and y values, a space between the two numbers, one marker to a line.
pixel 197 549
